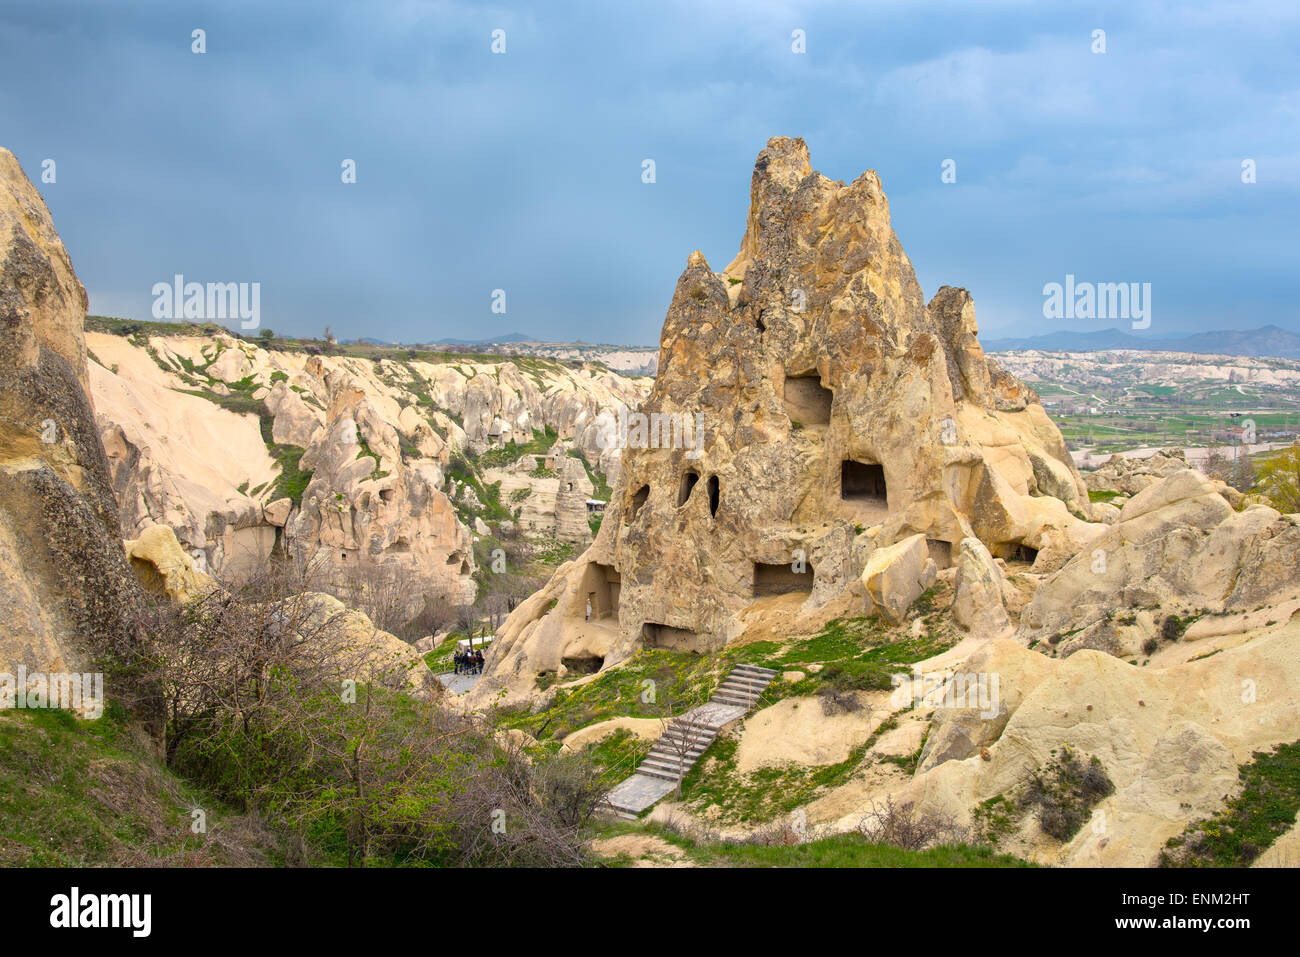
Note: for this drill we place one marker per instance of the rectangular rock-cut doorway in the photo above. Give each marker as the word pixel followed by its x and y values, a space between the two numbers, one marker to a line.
pixel 655 635
pixel 781 579
pixel 940 551
pixel 600 586
pixel 862 484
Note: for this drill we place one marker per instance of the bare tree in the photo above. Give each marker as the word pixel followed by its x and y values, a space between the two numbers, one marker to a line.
pixel 900 826
pixel 276 703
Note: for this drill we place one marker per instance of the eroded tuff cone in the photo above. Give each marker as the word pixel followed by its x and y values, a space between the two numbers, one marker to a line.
pixel 836 413
pixel 64 582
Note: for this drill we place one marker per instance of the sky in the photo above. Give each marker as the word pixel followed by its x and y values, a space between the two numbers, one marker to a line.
pixel 522 170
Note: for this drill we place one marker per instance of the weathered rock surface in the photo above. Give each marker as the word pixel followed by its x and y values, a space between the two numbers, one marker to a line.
pixel 896 575
pixel 1177 549
pixel 183 460
pixel 163 567
pixel 978 604
pixel 553 504
pixel 837 414
pixel 1170 739
pixel 1130 475
pixel 65 586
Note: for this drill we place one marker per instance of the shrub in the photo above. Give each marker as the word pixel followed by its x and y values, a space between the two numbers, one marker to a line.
pixel 900 826
pixel 1064 792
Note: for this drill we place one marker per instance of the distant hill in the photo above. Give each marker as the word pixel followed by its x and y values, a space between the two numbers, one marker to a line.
pixel 512 337
pixel 1266 342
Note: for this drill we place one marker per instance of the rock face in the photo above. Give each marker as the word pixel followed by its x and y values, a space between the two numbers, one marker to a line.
pixel 571 503
pixel 551 502
pixel 978 604
pixel 1178 549
pixel 836 413
pixel 65 586
pixel 378 436
pixel 367 506
pixel 1170 739
pixel 1130 475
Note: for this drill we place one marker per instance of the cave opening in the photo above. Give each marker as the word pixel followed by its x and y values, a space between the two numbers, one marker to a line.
pixel 863 482
pixel 583 664
pixel 655 635
pixel 1020 552
pixel 807 401
pixel 639 499
pixel 781 579
pixel 940 551
pixel 688 486
pixel 601 584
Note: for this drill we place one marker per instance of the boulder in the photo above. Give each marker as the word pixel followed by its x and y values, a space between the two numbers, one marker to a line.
pixel 896 575
pixel 978 586
pixel 277 513
pixel 163 567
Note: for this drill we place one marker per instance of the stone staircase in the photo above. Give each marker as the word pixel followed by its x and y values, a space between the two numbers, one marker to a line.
pixel 685 740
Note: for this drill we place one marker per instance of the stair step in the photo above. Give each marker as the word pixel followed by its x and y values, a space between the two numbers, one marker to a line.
pixel 755 669
pixel 687 741
pixel 626 814
pixel 670 757
pixel 668 763
pixel 735 678
pixel 732 693
pixel 740 689
pixel 662 775
pixel 738 700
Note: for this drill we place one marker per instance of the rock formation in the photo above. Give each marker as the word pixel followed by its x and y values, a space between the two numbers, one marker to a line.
pixel 551 498
pixel 65 587
pixel 378 438
pixel 836 413
pixel 1178 549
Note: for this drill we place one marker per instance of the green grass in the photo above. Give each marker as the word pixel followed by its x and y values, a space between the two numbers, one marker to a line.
pixel 680 681
pixel 77 792
pixel 292 481
pixel 839 850
pixel 1263 811
pixel 850 850
pixel 716 784
pixel 618 754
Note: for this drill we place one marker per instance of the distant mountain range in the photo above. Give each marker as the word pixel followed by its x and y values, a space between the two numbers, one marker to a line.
pixel 1266 341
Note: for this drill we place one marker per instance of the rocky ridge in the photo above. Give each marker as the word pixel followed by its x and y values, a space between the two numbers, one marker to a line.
pixel 240 448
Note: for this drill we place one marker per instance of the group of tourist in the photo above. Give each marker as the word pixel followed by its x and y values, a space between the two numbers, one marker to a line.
pixel 469 662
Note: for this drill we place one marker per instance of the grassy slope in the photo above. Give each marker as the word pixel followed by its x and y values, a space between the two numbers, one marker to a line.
pixel 86 793
pixel 839 850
